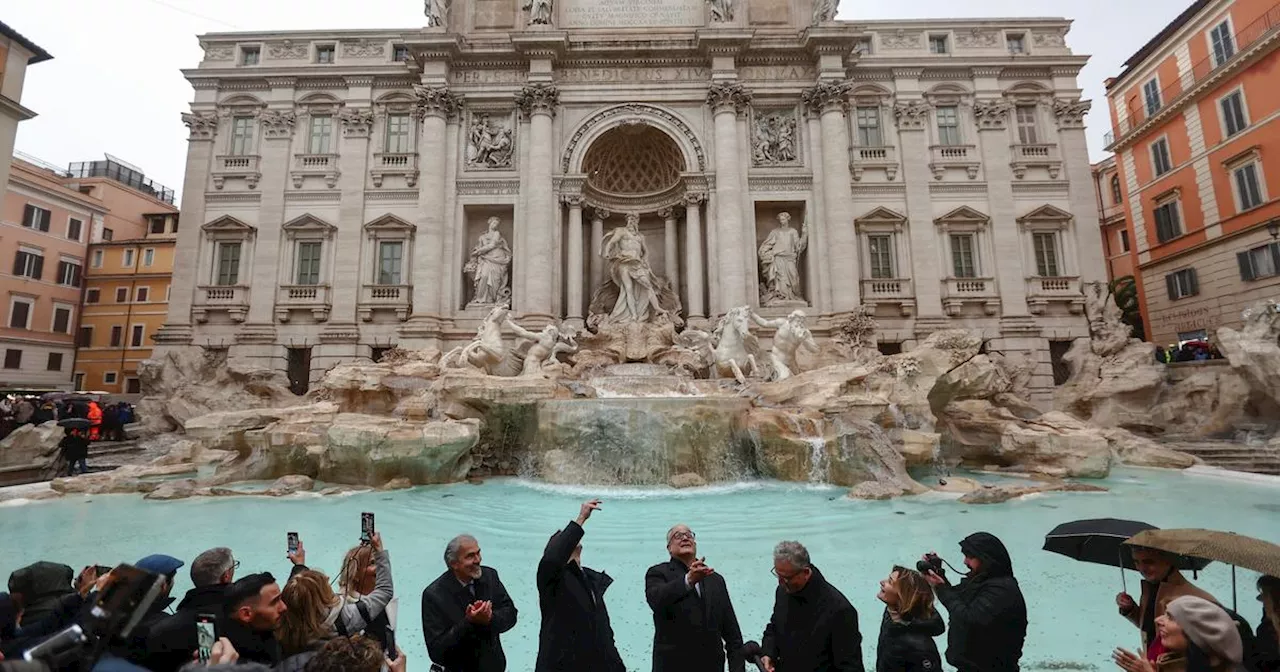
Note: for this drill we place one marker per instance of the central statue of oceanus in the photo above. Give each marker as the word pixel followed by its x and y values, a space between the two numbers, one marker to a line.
pixel 632 292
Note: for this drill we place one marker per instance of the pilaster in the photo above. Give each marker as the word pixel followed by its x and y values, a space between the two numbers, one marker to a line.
pixel 538 103
pixel 437 108
pixel 1008 264
pixel 353 161
pixel 911 118
pixel 1083 198
pixel 203 128
pixel 276 152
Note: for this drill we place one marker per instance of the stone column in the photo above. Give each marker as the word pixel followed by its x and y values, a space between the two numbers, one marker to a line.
pixel 436 107
pixel 574 278
pixel 821 285
pixel 344 280
pixel 725 99
pixel 597 239
pixel 203 126
pixel 538 103
pixel 829 99
pixel 992 117
pixel 913 152
pixel 693 254
pixel 671 258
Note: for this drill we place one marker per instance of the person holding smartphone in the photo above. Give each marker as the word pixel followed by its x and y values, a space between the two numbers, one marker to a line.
pixel 171 641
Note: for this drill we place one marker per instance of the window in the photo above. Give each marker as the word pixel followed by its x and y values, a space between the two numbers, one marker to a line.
pixel 1151 94
pixel 62 320
pixel 869 127
pixel 92 295
pixel 228 264
pixel 117 335
pixel 157 224
pixel 962 259
pixel 107 235
pixel 324 53
pixel 73 228
pixel 13 359
pixel 400 53
pixel 1027 130
pixel 308 263
pixel 1017 43
pixel 132 385
pixel 122 294
pixel 1248 189
pixel 135 338
pixel 28 263
pixel 1058 361
pixel 390 255
pixel 1168 222
pixel 85 339
pixel 1224 47
pixel 321 128
pixel 128 257
pixel 109 377
pixel 34 217
pixel 1046 247
pixel 880 249
pixel 55 362
pixel 938 44
pixel 948 125
pixel 142 294
pixel 1161 162
pixel 1116 195
pixel 20 313
pixel 148 256
pixel 398 134
pixel 1260 262
pixel 1233 118
pixel 97 258
pixel 1182 284
pixel 250 55
pixel 241 139
pixel 1124 240
pixel 69 273
pixel 79 381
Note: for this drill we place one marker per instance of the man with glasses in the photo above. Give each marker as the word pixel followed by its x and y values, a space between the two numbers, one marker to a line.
pixel 172 641
pixel 813 628
pixel 693 620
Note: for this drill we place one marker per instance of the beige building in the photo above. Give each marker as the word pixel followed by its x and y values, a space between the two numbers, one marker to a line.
pixel 16 53
pixel 341 185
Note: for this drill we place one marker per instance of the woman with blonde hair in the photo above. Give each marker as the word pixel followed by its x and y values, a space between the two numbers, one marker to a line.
pixel 909 624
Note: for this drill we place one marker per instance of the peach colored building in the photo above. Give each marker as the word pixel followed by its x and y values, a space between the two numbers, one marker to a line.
pixel 1196 127
pixel 16 53
pixel 1114 228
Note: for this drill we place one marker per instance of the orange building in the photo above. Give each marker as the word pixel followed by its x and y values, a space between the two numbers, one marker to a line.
pixel 1114 227
pixel 1196 133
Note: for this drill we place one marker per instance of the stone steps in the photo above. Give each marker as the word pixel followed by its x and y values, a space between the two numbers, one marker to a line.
pixel 1234 456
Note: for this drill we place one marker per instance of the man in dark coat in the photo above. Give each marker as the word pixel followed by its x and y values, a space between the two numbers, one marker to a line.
pixel 172 641
pixel 814 628
pixel 252 609
pixel 988 617
pixel 576 635
pixel 465 610
pixel 39 588
pixel 693 620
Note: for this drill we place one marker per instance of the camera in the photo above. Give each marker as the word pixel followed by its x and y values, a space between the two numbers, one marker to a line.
pixel 931 563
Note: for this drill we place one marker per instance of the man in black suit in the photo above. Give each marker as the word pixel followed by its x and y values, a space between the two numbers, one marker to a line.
pixel 576 635
pixel 814 627
pixel 465 610
pixel 693 620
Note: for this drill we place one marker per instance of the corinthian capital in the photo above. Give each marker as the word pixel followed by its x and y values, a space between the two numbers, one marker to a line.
pixel 912 115
pixel 436 101
pixel 538 99
pixel 356 122
pixel 826 96
pixel 1070 113
pixel 202 125
pixel 992 115
pixel 728 96
pixel 277 124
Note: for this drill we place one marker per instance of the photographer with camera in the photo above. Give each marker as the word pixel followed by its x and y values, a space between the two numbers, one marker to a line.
pixel 988 616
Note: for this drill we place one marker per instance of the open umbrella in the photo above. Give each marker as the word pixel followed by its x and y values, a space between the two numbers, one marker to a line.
pixel 1100 541
pixel 1229 547
pixel 75 423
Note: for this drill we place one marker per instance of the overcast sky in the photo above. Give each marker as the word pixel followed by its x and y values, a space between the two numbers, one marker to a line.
pixel 114 84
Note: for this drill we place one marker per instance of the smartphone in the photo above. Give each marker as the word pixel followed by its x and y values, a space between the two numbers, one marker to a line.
pixel 389 645
pixel 293 542
pixel 205 636
pixel 102 570
pixel 366 527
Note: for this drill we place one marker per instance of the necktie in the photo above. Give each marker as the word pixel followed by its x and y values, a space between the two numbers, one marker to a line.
pixel 472 587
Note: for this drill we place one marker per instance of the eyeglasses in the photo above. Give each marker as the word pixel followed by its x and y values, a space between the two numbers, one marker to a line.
pixel 788 577
pixel 680 536
pixel 235 564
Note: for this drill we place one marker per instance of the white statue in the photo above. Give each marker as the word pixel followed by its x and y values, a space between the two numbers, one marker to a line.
pixel 780 261
pixel 735 346
pixel 721 10
pixel 488 266
pixel 627 256
pixel 486 352
pixel 437 13
pixel 540 359
pixel 539 12
pixel 825 10
pixel 791 335
pixel 489 144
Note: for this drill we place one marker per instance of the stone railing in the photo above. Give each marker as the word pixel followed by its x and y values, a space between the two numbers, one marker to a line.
pixel 956 292
pixel 1035 156
pixel 236 165
pixel 891 291
pixel 325 165
pixel 233 299
pixel 1041 291
pixel 395 297
pixel 385 164
pixel 942 157
pixel 315 298
pixel 874 157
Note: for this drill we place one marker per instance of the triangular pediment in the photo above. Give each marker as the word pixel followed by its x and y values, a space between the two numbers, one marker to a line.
pixel 389 223
pixel 1046 213
pixel 310 224
pixel 227 224
pixel 881 215
pixel 963 215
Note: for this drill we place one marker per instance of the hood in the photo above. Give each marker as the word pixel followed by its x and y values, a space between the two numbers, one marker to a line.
pixel 927 627
pixel 991 551
pixel 8 616
pixel 204 596
pixel 42 579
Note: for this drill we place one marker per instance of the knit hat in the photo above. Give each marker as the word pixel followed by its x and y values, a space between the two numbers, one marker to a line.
pixel 1208 626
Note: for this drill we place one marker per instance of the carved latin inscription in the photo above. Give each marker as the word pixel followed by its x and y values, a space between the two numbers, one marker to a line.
pixel 631 13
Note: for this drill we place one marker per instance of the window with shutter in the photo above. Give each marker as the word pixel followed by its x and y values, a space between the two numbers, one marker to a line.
pixel 1245 261
pixel 948 125
pixel 1182 284
pixel 1028 132
pixel 135 339
pixel 1259 262
pixel 62 320
pixel 1168 224
pixel 308 263
pixel 1151 95
pixel 19 314
pixel 1046 247
pixel 85 339
pixel 1248 189
pixel 13 359
pixel 869 126
pixel 1233 113
pixel 117 336
pixel 228 264
pixel 880 249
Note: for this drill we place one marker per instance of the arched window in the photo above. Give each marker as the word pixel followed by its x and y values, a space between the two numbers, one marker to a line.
pixel 1115 189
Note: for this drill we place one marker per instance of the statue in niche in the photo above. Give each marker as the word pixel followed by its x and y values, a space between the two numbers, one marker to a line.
pixel 489 144
pixel 791 335
pixel 780 262
pixel 488 266
pixel 540 359
pixel 539 12
pixel 437 13
pixel 628 265
pixel 775 139
pixel 721 10
pixel 825 10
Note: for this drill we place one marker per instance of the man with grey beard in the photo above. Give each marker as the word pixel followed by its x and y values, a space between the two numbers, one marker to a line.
pixel 465 610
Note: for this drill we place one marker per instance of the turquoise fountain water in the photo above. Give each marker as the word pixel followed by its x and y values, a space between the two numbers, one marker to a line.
pixel 1074 624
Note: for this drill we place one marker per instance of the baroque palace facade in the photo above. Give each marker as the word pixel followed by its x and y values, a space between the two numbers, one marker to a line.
pixel 349 191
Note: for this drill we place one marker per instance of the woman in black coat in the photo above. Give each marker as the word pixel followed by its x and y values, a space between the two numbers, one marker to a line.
pixel 909 625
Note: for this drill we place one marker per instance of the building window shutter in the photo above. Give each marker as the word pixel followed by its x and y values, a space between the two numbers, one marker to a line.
pixel 1275 256
pixel 1245 259
pixel 17 263
pixel 1171 285
pixel 1195 282
pixel 39 268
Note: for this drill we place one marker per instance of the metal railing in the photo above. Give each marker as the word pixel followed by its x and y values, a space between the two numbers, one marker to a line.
pixel 124 175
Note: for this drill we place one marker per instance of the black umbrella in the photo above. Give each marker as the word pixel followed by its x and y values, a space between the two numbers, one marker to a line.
pixel 1100 541
pixel 75 423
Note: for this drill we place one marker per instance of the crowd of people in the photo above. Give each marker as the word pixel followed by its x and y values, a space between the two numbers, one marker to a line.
pixel 106 421
pixel 305 625
pixel 1190 351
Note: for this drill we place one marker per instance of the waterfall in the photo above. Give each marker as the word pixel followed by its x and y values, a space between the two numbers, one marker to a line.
pixel 819 464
